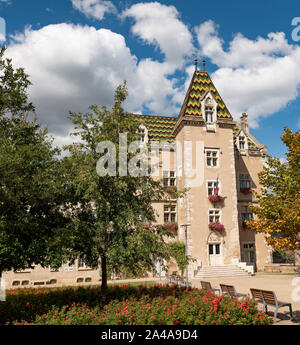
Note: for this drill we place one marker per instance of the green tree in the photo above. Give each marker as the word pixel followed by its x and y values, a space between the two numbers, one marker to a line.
pixel 115 220
pixel 14 84
pixel 278 208
pixel 30 192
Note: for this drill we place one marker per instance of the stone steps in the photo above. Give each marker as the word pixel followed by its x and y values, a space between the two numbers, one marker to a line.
pixel 220 271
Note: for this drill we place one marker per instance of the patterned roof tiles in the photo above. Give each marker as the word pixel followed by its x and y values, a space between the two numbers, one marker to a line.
pixel 160 128
pixel 200 84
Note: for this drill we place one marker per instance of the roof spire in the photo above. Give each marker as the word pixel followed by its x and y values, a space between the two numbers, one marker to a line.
pixel 203 61
pixel 196 63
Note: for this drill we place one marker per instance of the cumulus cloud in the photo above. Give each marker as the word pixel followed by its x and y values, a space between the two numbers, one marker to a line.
pixel 74 66
pixel 71 67
pixel 161 26
pixel 261 72
pixel 94 8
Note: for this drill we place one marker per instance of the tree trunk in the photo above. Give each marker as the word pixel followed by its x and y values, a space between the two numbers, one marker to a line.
pixel 104 272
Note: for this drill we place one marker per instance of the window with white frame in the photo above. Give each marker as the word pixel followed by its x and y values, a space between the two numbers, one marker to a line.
pixel 212 158
pixel 249 252
pixel 169 178
pixel 242 145
pixel 209 114
pixel 142 134
pixel 169 213
pixel 209 110
pixel 244 181
pixel 214 215
pixel 212 187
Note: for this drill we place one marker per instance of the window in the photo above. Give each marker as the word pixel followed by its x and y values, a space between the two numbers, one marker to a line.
pixel 249 252
pixel 246 214
pixel 209 117
pixel 245 181
pixel 248 245
pixel 214 249
pixel 51 282
pixel 53 269
pixel 212 187
pixel 212 157
pixel 142 135
pixel 88 279
pixel 241 142
pixel 169 178
pixel 169 213
pixel 79 280
pixel 214 216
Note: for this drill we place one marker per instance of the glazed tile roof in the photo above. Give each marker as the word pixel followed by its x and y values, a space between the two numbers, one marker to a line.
pixel 160 128
pixel 201 83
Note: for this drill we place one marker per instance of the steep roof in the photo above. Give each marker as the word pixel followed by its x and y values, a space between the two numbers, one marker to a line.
pixel 160 128
pixel 200 84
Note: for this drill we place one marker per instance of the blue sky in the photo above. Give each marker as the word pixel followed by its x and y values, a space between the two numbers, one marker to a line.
pixel 77 51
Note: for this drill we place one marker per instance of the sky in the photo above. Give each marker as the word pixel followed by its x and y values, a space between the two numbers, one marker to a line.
pixel 77 52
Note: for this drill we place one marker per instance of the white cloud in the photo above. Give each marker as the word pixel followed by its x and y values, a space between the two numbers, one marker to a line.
pixel 160 26
pixel 94 8
pixel 261 72
pixel 71 67
pixel 74 66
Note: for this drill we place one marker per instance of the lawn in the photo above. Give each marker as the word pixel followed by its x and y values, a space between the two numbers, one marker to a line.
pixel 127 305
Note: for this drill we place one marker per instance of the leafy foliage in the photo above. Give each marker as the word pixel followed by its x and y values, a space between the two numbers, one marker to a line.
pixel 30 189
pixel 108 225
pixel 278 209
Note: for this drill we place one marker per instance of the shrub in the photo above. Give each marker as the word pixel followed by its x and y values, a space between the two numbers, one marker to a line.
pixel 156 305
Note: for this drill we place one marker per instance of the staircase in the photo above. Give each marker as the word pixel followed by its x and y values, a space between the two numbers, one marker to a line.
pixel 221 271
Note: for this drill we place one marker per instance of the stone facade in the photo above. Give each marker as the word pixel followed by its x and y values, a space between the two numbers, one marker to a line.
pixel 211 154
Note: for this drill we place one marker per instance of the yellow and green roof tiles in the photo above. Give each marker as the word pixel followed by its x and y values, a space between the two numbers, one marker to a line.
pixel 160 128
pixel 201 83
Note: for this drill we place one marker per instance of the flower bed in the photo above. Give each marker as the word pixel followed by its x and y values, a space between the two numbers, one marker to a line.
pixel 167 305
pixel 216 226
pixel 215 198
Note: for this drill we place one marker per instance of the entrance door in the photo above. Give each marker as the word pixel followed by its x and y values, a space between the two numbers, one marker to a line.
pixel 215 254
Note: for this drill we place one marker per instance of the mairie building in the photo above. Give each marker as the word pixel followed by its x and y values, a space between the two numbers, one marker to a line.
pixel 216 161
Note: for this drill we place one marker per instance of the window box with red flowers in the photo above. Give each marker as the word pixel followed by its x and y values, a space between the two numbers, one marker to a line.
pixel 172 227
pixel 215 198
pixel 216 226
pixel 170 188
pixel 246 191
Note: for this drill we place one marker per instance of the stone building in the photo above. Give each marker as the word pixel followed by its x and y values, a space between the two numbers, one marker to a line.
pixel 216 160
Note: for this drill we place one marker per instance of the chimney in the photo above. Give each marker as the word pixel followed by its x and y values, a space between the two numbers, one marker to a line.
pixel 244 123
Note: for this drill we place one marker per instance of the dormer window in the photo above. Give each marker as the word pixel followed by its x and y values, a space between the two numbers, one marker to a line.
pixel 142 131
pixel 209 114
pixel 242 143
pixel 142 135
pixel 209 111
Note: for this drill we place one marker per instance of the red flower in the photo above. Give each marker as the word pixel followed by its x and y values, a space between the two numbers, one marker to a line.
pixel 245 305
pixel 215 198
